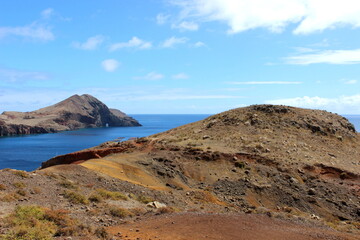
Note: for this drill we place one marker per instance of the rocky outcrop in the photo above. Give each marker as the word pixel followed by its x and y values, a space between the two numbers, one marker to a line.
pixel 76 112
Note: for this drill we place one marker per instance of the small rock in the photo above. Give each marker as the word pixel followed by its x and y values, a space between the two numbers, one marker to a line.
pixel 312 191
pixel 156 204
pixel 206 137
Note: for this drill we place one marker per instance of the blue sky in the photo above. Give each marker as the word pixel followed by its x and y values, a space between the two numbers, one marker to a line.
pixel 172 56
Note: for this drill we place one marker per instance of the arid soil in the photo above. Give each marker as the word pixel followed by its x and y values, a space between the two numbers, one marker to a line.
pixel 292 166
pixel 76 112
pixel 206 226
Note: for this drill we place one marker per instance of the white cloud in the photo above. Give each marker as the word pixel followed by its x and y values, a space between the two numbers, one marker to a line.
pixel 327 56
pixel 151 76
pixel 180 76
pixel 47 13
pixel 199 44
pixel 241 15
pixel 265 83
pixel 162 18
pixel 14 75
pixel 134 42
pixel 171 42
pixel 353 81
pixel 110 65
pixel 186 26
pixel 91 43
pixel 342 104
pixel 32 31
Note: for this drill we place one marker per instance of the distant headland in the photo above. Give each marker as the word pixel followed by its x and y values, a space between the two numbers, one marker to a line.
pixel 75 112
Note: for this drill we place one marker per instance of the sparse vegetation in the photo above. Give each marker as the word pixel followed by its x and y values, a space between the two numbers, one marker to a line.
pixel 96 198
pixel 102 233
pixel 144 199
pixel 19 173
pixel 29 222
pixel 19 184
pixel 119 212
pixel 76 198
pixel 111 195
pixel 67 184
pixel 37 223
pixel 10 197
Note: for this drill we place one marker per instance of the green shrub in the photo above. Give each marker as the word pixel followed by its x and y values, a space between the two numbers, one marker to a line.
pixel 111 195
pixel 28 222
pixel 76 198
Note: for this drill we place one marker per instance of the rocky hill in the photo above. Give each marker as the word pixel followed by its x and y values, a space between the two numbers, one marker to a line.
pixel 76 112
pixel 293 171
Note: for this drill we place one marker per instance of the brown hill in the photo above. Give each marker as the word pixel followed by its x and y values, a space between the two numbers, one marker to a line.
pixel 297 165
pixel 76 112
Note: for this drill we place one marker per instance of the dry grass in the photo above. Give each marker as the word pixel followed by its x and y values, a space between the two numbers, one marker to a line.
pixel 119 212
pixel 37 223
pixel 75 197
pixel 22 174
pixel 111 195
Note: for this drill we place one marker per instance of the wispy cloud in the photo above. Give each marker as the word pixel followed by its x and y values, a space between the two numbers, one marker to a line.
pixel 162 18
pixel 308 15
pixel 15 75
pixel 342 104
pixel 180 76
pixel 186 26
pixel 265 83
pixel 199 44
pixel 110 65
pixel 150 76
pixel 47 13
pixel 91 43
pixel 327 56
pixel 352 81
pixel 33 31
pixel 171 42
pixel 134 42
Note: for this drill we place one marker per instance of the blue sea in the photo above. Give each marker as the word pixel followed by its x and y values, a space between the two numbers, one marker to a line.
pixel 28 152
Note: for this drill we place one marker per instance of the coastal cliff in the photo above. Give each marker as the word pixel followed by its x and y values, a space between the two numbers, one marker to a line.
pixel 75 112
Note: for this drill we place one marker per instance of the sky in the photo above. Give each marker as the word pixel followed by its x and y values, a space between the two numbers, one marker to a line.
pixel 181 56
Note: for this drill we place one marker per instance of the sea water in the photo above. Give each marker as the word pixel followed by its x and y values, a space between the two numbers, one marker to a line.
pixel 28 152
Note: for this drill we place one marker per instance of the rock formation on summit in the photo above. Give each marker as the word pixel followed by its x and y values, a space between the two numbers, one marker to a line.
pixel 76 112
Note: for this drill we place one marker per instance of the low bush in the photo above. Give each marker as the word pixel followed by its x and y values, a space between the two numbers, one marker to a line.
pixel 111 195
pixel 119 212
pixel 75 198
pixel 37 223
pixel 67 184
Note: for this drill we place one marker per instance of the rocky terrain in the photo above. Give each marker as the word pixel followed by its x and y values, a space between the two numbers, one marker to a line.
pixel 76 112
pixel 260 172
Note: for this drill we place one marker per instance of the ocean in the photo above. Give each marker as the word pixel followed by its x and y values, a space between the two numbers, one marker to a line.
pixel 28 152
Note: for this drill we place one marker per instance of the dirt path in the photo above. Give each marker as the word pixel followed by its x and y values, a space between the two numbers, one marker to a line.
pixel 192 226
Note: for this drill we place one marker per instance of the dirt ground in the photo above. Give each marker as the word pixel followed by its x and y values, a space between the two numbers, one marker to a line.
pixel 194 226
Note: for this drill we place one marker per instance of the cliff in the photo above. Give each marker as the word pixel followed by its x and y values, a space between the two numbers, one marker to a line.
pixel 76 112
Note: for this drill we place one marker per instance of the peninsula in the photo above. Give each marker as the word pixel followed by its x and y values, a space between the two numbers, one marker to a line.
pixel 75 112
